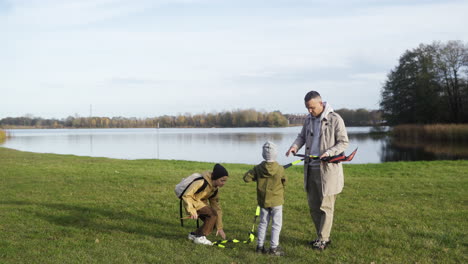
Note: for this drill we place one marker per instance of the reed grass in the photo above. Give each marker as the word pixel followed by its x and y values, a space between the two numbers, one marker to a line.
pixel 3 135
pixel 435 132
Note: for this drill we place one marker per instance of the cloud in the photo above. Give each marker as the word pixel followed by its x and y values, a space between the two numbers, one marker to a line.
pixel 203 55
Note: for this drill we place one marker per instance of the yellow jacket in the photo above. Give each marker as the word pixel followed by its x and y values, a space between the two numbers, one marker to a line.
pixel 195 201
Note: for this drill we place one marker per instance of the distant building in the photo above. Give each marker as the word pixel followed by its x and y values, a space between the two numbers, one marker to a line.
pixel 295 119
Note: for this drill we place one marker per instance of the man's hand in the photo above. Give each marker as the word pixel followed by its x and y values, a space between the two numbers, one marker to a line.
pixel 291 149
pixel 324 155
pixel 221 233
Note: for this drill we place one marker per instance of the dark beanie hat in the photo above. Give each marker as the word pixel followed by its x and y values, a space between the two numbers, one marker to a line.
pixel 218 172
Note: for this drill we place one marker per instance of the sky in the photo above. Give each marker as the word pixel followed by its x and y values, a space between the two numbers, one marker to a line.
pixel 146 58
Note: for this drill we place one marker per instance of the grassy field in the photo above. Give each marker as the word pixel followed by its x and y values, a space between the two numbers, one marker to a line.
pixel 69 209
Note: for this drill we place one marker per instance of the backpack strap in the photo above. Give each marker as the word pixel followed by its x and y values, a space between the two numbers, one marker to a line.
pixel 214 194
pixel 180 211
pixel 205 183
pixel 180 198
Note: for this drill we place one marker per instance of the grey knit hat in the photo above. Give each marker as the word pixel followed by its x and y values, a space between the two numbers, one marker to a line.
pixel 270 151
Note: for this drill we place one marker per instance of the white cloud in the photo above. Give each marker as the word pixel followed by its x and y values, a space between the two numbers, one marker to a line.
pixel 185 56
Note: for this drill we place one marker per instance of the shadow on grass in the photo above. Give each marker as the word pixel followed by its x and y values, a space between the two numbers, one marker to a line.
pixel 100 220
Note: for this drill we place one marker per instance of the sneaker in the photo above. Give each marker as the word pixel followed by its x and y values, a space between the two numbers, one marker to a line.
pixel 321 245
pixel 277 251
pixel 313 242
pixel 261 250
pixel 201 240
pixel 191 236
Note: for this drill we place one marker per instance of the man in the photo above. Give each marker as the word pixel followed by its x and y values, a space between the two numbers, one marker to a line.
pixel 324 135
pixel 204 204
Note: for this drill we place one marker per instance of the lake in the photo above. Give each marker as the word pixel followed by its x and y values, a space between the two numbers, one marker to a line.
pixel 224 145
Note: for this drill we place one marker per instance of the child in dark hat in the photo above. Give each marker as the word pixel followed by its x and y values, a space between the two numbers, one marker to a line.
pixel 203 203
pixel 271 180
pixel 218 172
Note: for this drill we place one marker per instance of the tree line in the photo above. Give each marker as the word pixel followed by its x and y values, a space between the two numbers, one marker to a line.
pixel 429 85
pixel 239 118
pixel 361 117
pixel 351 117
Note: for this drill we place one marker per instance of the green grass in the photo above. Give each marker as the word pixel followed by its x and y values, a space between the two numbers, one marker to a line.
pixel 69 209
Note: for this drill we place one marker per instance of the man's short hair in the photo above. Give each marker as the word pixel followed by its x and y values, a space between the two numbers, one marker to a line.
pixel 311 95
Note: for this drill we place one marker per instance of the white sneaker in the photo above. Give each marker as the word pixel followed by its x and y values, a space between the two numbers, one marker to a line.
pixel 191 236
pixel 202 241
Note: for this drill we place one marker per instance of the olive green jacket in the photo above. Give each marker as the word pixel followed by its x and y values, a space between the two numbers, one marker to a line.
pixel 270 180
pixel 193 201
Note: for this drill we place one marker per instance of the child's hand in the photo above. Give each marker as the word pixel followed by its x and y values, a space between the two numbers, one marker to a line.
pixel 194 216
pixel 221 233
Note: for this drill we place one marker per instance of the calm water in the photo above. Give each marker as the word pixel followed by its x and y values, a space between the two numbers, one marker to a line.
pixel 232 145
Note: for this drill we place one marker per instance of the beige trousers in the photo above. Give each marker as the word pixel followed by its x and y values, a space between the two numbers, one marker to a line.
pixel 321 208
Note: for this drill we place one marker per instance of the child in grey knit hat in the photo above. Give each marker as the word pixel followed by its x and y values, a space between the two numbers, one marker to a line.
pixel 271 180
pixel 270 151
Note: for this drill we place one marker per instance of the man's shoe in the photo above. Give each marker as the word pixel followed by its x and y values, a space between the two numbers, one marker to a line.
pixel 261 250
pixel 201 240
pixel 321 245
pixel 277 251
pixel 313 242
pixel 191 236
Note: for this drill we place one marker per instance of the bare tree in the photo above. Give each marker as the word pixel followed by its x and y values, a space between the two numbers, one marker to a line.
pixel 451 61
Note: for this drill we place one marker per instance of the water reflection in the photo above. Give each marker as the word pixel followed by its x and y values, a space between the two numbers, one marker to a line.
pixel 369 148
pixel 394 150
pixel 233 145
